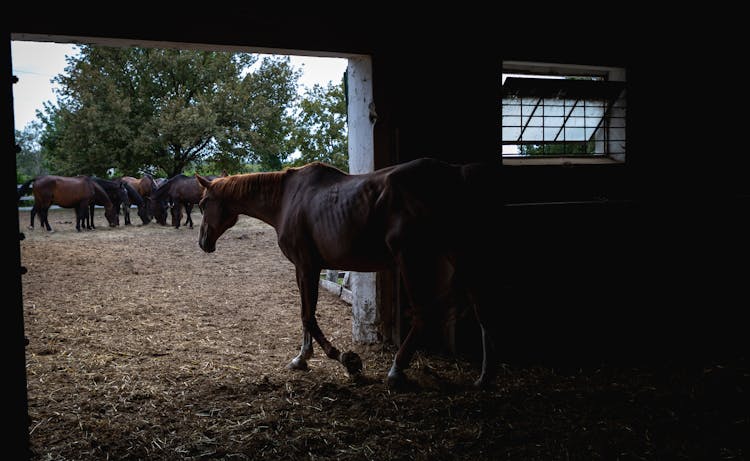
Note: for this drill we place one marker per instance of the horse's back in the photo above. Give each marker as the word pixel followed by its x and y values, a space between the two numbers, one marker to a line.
pixel 65 191
pixel 144 186
pixel 181 187
pixel 451 213
pixel 441 202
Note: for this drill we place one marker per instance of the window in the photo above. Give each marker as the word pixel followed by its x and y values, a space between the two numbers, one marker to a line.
pixel 552 111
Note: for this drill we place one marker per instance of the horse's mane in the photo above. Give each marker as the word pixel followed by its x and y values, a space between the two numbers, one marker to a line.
pixel 238 187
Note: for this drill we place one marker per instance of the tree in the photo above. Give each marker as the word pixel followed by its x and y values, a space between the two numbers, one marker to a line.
pixel 321 132
pixel 29 160
pixel 161 111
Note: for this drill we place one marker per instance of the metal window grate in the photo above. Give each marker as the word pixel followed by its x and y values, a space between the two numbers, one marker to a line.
pixel 562 117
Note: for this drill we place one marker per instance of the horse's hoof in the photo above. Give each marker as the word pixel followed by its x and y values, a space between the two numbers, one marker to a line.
pixel 298 364
pixel 352 362
pixel 396 379
pixel 482 383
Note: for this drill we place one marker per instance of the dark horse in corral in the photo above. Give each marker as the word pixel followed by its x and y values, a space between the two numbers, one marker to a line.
pixel 175 193
pixel 67 192
pixel 432 220
pixel 144 187
pixel 117 195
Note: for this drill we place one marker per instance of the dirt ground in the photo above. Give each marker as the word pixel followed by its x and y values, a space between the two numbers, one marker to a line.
pixel 141 346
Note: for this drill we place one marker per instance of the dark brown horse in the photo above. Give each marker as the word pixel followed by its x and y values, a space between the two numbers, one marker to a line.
pixel 67 192
pixel 117 194
pixel 432 220
pixel 176 193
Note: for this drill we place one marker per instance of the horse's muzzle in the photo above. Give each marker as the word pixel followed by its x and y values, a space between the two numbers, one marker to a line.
pixel 205 245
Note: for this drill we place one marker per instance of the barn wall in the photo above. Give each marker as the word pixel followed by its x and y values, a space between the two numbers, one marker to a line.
pixel 613 279
pixel 14 393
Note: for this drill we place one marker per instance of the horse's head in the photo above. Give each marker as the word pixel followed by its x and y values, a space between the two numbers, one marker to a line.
pixel 111 214
pixel 157 208
pixel 143 213
pixel 217 216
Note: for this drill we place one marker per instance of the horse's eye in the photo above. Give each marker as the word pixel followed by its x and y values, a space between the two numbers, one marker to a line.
pixel 202 205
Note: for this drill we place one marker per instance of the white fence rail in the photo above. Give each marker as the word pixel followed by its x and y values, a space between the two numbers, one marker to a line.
pixel 342 290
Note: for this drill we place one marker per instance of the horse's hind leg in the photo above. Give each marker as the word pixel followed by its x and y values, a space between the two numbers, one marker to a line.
pixel 486 324
pixel 188 210
pixel 44 219
pixel 176 214
pixel 479 284
pixel 423 274
pixel 89 218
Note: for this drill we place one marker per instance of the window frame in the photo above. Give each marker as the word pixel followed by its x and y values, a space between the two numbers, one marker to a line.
pixel 605 73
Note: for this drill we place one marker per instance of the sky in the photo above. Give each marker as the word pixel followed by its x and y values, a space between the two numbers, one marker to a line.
pixel 36 63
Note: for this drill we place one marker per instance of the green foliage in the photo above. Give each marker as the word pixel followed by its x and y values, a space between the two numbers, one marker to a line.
pixel 558 149
pixel 164 111
pixel 321 131
pixel 29 161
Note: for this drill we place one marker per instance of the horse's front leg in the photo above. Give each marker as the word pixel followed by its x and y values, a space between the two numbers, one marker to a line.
pixel 305 352
pixel 308 283
pixel 126 213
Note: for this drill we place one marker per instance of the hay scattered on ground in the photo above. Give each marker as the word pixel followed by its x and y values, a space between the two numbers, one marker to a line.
pixel 141 346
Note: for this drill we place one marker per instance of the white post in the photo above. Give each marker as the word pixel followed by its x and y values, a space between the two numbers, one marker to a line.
pixel 362 118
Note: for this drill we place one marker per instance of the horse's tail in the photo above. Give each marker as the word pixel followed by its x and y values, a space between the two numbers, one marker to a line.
pixel 25 187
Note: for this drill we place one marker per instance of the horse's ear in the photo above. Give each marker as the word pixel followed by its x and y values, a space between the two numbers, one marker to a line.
pixel 202 181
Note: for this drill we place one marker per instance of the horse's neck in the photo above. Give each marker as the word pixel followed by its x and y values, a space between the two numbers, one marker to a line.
pixel 266 211
pixel 101 195
pixel 264 203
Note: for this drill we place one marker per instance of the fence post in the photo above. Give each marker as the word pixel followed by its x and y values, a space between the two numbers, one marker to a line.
pixel 361 121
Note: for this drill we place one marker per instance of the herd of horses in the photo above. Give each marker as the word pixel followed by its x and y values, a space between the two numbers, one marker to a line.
pixel 435 223
pixel 154 198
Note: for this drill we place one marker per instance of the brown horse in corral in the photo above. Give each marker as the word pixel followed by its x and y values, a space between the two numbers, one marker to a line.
pixel 144 186
pixel 67 192
pixel 433 221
